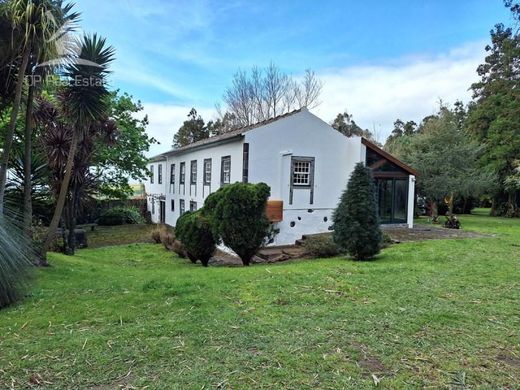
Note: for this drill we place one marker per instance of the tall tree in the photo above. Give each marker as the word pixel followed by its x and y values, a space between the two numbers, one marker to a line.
pixel 262 94
pixel 446 158
pixel 84 102
pixel 493 118
pixel 192 130
pixel 35 20
pixel 346 125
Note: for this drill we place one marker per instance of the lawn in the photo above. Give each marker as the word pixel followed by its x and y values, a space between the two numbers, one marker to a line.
pixel 429 314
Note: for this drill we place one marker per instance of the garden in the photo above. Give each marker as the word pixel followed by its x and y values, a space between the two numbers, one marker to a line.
pixel 435 313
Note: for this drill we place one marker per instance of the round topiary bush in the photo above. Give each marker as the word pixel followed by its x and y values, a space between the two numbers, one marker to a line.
pixel 120 216
pixel 195 233
pixel 237 215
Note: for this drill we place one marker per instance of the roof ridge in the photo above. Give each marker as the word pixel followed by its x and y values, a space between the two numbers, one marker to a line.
pixel 229 134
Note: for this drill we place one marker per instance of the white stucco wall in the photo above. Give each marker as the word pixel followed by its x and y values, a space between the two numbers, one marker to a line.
pixel 196 193
pixel 270 150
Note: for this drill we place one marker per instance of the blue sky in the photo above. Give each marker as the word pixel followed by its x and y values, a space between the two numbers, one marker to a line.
pixel 380 60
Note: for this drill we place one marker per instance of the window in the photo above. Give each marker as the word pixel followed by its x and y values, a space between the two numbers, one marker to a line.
pixel 151 174
pixel 159 173
pixel 207 171
pixel 153 206
pixel 193 172
pixel 193 206
pixel 302 171
pixel 181 206
pixel 225 170
pixel 172 174
pixel 302 177
pixel 173 205
pixel 182 173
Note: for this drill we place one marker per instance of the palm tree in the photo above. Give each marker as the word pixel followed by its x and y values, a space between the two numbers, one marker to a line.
pixel 35 21
pixel 57 49
pixel 84 102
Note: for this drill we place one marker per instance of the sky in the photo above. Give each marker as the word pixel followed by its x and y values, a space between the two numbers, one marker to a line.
pixel 379 60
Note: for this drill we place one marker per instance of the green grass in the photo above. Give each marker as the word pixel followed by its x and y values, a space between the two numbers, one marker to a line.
pixel 117 235
pixel 429 314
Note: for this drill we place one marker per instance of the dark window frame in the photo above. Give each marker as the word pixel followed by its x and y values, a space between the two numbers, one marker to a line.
pixel 222 161
pixel 152 169
pixel 172 174
pixel 207 181
pixel 159 174
pixel 182 206
pixel 182 173
pixel 310 185
pixel 193 205
pixel 172 205
pixel 193 173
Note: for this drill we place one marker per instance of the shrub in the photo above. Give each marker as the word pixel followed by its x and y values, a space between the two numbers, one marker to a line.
pixel 15 261
pixel 120 216
pixel 321 246
pixel 197 237
pixel 180 228
pixel 156 233
pixel 167 239
pixel 356 224
pixel 237 215
pixel 179 249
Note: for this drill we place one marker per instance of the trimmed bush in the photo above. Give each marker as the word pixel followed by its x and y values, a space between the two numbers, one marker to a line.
pixel 195 233
pixel 237 215
pixel 321 246
pixel 120 216
pixel 356 223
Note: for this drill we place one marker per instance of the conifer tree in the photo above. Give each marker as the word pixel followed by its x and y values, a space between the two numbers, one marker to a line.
pixel 356 224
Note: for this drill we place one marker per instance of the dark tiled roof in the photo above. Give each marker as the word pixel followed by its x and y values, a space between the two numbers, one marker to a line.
pixel 223 137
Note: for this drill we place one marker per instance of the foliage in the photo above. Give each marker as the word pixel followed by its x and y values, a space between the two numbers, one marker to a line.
pixel 15 260
pixel 192 130
pixel 237 216
pixel 115 162
pixel 167 239
pixel 195 233
pixel 445 157
pixel 265 93
pixel 120 216
pixel 347 126
pixel 356 225
pixel 493 118
pixel 321 246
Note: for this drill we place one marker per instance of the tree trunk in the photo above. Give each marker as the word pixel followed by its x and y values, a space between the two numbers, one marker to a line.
pixel 12 125
pixel 61 199
pixel 27 167
pixel 72 221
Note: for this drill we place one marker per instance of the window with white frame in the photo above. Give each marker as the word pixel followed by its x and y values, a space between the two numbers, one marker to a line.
pixel 302 172
pixel 193 206
pixel 207 171
pixel 151 173
pixel 182 207
pixel 193 172
pixel 225 171
pixel 159 173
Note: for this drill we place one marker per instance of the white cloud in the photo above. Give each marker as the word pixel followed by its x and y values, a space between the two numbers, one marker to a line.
pixel 409 89
pixel 165 120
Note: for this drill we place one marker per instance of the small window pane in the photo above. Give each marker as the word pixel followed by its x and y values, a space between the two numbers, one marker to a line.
pixel 182 178
pixel 181 206
pixel 151 174
pixel 226 170
pixel 193 178
pixel 193 206
pixel 207 171
pixel 302 173
pixel 159 173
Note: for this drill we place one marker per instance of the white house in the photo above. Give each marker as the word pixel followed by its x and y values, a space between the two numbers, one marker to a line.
pixel 303 159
